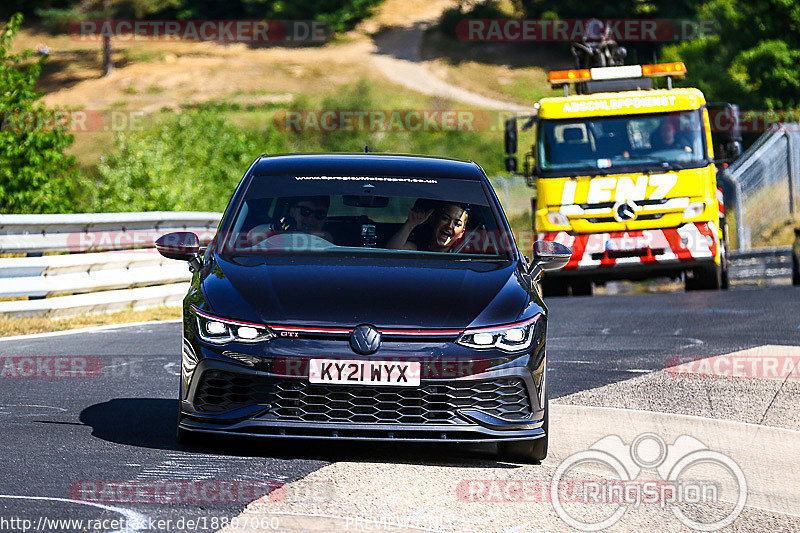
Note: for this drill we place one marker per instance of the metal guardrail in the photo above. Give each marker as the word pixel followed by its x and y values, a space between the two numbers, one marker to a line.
pixel 761 263
pixel 98 231
pixel 110 264
pixel 131 274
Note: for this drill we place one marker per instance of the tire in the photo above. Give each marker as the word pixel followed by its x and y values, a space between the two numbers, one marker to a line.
pixel 723 260
pixel 527 451
pixel 795 270
pixel 554 287
pixel 726 283
pixel 188 438
pixel 581 287
pixel 705 278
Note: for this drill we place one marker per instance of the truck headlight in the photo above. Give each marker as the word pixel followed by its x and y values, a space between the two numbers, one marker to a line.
pixel 509 338
pixel 218 330
pixel 694 210
pixel 557 218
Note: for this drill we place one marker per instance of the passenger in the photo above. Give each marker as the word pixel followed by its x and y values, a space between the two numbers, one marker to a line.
pixel 437 229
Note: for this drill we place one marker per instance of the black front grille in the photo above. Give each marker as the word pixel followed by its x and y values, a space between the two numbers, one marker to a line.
pixel 294 400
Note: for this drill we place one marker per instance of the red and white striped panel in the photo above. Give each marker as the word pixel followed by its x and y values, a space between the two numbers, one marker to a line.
pixel 690 242
pixel 720 203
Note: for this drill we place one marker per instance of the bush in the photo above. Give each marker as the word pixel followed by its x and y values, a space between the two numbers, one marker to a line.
pixel 193 160
pixel 190 161
pixel 35 174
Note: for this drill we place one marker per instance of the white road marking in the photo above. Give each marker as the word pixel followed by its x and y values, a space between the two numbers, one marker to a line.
pixel 4 409
pixel 130 516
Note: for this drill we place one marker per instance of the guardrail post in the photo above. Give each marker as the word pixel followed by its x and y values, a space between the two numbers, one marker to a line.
pixel 790 168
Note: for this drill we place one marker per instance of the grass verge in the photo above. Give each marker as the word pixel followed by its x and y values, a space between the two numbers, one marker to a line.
pixel 23 326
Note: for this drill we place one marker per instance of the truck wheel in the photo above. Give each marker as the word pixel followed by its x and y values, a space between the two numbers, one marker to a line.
pixel 554 287
pixel 795 270
pixel 581 287
pixel 705 278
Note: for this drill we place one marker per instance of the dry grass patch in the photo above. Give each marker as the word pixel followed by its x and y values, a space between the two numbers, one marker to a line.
pixel 23 326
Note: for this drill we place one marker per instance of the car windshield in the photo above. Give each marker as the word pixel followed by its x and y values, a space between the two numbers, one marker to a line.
pixel 663 140
pixel 366 215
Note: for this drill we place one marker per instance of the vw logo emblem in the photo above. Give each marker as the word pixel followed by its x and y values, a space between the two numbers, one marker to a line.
pixel 365 339
pixel 625 211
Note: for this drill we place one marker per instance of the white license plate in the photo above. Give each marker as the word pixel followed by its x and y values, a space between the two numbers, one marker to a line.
pixel 349 371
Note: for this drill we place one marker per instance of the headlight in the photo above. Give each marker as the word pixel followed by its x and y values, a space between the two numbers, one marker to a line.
pixel 694 210
pixel 509 338
pixel 557 218
pixel 221 330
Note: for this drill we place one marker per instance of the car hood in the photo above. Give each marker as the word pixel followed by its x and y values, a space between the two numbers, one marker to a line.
pixel 347 292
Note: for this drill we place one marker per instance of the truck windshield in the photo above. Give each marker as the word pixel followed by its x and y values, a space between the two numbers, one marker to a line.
pixel 663 140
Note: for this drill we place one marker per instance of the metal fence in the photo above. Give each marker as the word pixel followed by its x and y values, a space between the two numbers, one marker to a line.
pixel 767 182
pixel 96 263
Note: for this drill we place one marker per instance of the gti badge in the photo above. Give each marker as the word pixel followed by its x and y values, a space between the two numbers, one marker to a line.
pixel 625 210
pixel 365 339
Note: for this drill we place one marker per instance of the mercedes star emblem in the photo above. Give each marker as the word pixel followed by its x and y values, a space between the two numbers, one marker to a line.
pixel 625 210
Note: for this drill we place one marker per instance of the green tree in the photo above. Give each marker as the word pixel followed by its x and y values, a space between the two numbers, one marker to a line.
pixel 754 60
pixel 35 174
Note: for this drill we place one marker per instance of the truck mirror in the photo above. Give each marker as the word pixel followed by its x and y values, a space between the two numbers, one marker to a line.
pixel 511 138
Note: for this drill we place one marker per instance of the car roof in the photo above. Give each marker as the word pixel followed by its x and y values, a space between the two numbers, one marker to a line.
pixel 366 164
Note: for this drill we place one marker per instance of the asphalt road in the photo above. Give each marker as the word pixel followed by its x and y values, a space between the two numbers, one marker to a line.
pixel 60 434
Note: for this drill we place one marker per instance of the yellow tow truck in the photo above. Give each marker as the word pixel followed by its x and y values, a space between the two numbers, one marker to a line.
pixel 625 176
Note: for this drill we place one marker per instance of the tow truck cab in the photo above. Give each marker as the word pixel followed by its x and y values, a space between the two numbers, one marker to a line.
pixel 626 178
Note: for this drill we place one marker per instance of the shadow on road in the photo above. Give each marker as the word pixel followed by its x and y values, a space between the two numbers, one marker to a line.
pixel 150 423
pixel 143 422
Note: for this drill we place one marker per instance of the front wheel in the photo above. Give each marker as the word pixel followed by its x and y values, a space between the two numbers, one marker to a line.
pixel 527 451
pixel 724 257
pixel 581 287
pixel 705 278
pixel 554 286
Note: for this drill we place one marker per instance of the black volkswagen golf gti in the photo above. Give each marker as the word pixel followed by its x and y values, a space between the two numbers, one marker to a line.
pixel 370 297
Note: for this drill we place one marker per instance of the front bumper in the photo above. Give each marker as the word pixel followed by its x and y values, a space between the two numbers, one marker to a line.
pixel 656 250
pixel 502 400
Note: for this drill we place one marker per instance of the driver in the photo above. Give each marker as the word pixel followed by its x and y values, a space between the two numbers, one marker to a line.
pixel 667 137
pixel 310 213
pixel 305 214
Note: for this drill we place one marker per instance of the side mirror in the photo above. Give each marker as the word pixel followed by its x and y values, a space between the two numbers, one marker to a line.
pixel 548 255
pixel 180 245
